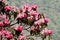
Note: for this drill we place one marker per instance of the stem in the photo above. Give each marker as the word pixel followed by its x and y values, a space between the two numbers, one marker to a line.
pixel 49 37
pixel 42 38
pixel 13 24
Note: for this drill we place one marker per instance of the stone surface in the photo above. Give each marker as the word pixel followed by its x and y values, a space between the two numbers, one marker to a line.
pixel 51 8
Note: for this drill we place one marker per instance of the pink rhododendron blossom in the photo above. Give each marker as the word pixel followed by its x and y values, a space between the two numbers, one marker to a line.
pixel 36 17
pixel 32 27
pixel 50 32
pixel 46 20
pixel 43 32
pixel 21 15
pixel 23 9
pixel 1 33
pixel 22 37
pixel 37 22
pixel 30 18
pixel 6 22
pixel 24 14
pixel 18 28
pixel 7 8
pixel 34 13
pixel 29 9
pixel 1 24
pixel 8 34
pixel 0 16
pixel 46 32
pixel 42 20
pixel 4 16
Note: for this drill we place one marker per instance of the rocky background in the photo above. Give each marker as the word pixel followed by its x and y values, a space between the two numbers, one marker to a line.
pixel 51 9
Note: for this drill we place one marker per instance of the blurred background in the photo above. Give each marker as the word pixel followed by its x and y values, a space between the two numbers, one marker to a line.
pixel 51 9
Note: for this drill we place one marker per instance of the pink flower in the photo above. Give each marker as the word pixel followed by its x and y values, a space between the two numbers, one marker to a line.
pixel 34 6
pixel 23 9
pixel 21 15
pixel 46 20
pixel 43 32
pixel 46 32
pixel 18 28
pixel 29 9
pixel 8 34
pixel 34 13
pixel 1 24
pixel 42 20
pixel 26 7
pixel 0 16
pixel 22 37
pixel 30 18
pixel 7 8
pixel 36 17
pixel 37 22
pixel 50 32
pixel 24 14
pixel 6 22
pixel 1 33
pixel 32 27
pixel 4 16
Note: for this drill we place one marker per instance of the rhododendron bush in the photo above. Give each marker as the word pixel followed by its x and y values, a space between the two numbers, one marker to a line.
pixel 23 16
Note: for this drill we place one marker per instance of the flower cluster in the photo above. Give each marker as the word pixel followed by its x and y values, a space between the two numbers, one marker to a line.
pixel 46 32
pixel 28 15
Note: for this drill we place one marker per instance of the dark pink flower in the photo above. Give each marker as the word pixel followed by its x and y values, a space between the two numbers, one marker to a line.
pixel 1 24
pixel 49 32
pixel 46 20
pixel 7 8
pixel 6 22
pixel 8 34
pixel 18 28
